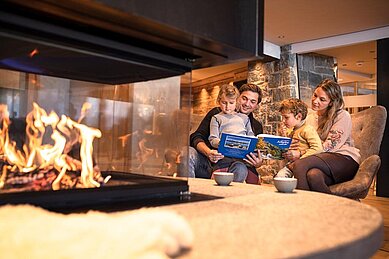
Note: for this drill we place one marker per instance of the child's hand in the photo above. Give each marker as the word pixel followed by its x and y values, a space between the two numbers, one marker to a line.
pixel 214 156
pixel 282 130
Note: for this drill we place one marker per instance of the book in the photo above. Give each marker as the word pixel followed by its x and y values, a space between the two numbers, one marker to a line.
pixel 272 147
pixel 237 146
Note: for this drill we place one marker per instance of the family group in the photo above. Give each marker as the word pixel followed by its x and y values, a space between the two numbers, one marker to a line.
pixel 322 151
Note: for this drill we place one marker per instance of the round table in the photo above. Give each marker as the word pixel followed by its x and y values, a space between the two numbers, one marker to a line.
pixel 252 221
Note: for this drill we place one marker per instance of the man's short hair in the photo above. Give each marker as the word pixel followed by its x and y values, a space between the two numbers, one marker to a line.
pixel 253 88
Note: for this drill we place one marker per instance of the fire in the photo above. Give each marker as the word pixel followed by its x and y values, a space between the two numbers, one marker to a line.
pixel 33 53
pixel 66 134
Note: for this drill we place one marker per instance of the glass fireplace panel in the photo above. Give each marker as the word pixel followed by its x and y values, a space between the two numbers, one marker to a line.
pixel 144 125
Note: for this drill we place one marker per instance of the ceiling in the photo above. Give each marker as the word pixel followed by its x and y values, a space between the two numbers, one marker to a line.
pixel 200 74
pixel 290 22
pixel 295 21
pixel 355 62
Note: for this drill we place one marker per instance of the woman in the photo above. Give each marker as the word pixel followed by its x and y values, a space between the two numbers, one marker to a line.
pixel 340 160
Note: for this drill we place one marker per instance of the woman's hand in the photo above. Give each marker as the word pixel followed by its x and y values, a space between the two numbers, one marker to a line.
pixel 254 159
pixel 292 154
pixel 214 156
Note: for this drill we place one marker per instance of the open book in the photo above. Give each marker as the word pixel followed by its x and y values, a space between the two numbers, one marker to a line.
pixel 272 146
pixel 238 146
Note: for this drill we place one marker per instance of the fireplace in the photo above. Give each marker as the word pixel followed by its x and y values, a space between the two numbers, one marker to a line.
pixel 95 101
pixel 143 125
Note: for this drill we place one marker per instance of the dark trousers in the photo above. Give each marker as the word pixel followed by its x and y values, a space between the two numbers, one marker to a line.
pixel 317 172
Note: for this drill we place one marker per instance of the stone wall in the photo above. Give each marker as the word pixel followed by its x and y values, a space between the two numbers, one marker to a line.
pixel 279 80
pixel 312 69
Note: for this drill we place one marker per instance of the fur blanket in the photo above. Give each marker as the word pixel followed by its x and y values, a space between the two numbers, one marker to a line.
pixel 31 232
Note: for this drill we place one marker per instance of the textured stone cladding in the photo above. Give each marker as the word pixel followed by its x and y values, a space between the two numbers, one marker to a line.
pixel 280 80
pixel 312 69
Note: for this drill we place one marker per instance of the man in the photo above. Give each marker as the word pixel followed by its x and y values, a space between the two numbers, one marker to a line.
pixel 201 154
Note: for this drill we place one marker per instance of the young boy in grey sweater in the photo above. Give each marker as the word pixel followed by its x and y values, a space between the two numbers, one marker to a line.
pixel 229 121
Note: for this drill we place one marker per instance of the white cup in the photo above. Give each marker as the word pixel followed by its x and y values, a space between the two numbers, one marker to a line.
pixel 285 184
pixel 223 178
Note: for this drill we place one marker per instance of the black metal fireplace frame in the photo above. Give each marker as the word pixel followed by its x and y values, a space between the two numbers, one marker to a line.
pixel 131 34
pixel 68 53
pixel 133 189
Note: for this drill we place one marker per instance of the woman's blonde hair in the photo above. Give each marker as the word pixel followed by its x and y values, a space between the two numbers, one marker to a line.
pixel 333 91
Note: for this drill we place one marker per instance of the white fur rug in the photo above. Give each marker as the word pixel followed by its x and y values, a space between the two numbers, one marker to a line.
pixel 31 232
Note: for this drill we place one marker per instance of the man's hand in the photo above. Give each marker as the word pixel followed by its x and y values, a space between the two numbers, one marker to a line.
pixel 254 159
pixel 214 156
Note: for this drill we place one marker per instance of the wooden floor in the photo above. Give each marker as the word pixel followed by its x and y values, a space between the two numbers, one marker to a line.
pixel 382 204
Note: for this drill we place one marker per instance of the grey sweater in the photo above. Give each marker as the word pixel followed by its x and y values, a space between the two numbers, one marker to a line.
pixel 237 123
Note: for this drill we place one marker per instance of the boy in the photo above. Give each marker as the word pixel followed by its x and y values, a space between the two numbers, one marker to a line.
pixel 229 121
pixel 294 112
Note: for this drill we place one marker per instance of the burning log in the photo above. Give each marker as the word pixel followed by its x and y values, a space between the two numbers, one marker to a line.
pixel 45 179
pixel 24 169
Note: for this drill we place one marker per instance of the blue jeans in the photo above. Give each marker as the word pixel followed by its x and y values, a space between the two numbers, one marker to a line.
pixel 240 171
pixel 200 167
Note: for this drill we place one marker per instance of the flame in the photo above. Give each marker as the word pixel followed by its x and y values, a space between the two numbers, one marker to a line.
pixel 37 155
pixel 33 53
pixel 85 107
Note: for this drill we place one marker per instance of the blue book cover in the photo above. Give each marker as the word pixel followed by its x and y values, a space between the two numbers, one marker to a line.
pixel 272 147
pixel 237 146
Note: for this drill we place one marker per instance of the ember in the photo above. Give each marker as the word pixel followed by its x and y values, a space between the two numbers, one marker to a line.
pixel 43 166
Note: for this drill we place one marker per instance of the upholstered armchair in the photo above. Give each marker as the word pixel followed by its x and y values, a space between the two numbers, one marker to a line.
pixel 368 130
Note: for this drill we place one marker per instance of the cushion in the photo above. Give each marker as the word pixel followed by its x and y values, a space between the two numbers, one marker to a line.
pixel 367 125
pixel 358 187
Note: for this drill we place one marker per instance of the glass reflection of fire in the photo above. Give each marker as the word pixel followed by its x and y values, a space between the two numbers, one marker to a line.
pixel 42 166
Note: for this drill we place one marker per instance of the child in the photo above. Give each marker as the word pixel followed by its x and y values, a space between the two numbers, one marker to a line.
pixel 294 113
pixel 171 162
pixel 229 121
